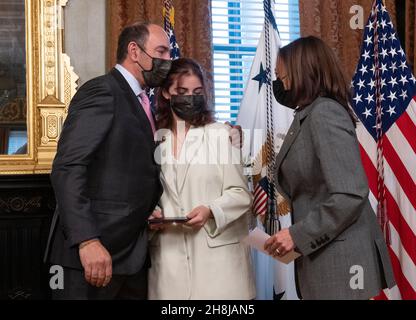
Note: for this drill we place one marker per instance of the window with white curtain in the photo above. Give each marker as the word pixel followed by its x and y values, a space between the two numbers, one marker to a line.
pixel 237 25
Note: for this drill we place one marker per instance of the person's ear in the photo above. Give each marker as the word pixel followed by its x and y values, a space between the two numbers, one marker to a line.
pixel 133 50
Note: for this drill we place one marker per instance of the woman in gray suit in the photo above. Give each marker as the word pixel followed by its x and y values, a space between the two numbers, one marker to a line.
pixel 319 170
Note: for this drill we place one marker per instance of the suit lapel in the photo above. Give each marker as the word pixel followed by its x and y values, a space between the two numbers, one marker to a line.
pixel 287 143
pixel 292 134
pixel 189 151
pixel 167 166
pixel 135 104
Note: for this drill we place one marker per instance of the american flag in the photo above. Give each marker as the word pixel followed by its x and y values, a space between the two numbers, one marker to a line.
pixel 384 99
pixel 261 197
pixel 169 23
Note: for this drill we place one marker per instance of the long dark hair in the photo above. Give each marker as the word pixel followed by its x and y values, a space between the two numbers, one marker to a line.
pixel 314 71
pixel 181 67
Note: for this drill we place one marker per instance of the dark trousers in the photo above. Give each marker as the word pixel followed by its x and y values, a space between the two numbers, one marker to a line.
pixel 132 287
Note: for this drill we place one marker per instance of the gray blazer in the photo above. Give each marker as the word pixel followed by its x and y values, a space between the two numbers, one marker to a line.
pixel 319 171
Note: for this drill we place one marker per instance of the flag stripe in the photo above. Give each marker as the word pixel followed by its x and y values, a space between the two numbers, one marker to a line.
pixel 406 208
pixel 407 126
pixel 408 238
pixel 261 206
pixel 403 150
pixel 401 173
pixel 406 269
pixel 393 293
pixel 382 296
pixel 257 191
pixel 407 265
pixel 405 289
pixel 399 251
pixel 261 211
pixel 260 198
pixel 411 110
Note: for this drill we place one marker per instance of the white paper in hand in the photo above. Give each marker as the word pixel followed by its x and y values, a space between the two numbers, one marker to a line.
pixel 257 238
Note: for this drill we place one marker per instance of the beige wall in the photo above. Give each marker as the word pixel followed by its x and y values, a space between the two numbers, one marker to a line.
pixel 85 36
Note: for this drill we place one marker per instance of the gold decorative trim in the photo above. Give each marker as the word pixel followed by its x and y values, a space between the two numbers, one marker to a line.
pixel 51 84
pixel 14 112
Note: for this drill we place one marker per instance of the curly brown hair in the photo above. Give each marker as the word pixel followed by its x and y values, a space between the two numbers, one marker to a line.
pixel 181 67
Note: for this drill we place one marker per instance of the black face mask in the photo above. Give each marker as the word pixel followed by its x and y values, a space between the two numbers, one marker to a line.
pixel 187 107
pixel 282 96
pixel 159 72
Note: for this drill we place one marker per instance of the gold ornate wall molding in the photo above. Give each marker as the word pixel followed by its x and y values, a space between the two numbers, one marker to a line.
pixel 51 83
pixel 13 113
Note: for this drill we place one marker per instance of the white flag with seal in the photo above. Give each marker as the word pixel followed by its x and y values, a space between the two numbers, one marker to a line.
pixel 265 123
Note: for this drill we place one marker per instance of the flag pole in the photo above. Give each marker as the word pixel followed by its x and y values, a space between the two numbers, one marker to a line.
pixel 272 222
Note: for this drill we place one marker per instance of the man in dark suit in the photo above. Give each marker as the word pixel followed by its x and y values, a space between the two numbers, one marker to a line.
pixel 104 175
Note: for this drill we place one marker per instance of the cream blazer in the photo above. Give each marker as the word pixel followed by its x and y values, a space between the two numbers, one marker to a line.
pixel 210 263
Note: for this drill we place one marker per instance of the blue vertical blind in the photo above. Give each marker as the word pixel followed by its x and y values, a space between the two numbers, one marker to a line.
pixel 237 25
pixel 17 138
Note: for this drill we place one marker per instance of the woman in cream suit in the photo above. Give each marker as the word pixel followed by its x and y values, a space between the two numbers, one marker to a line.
pixel 203 180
